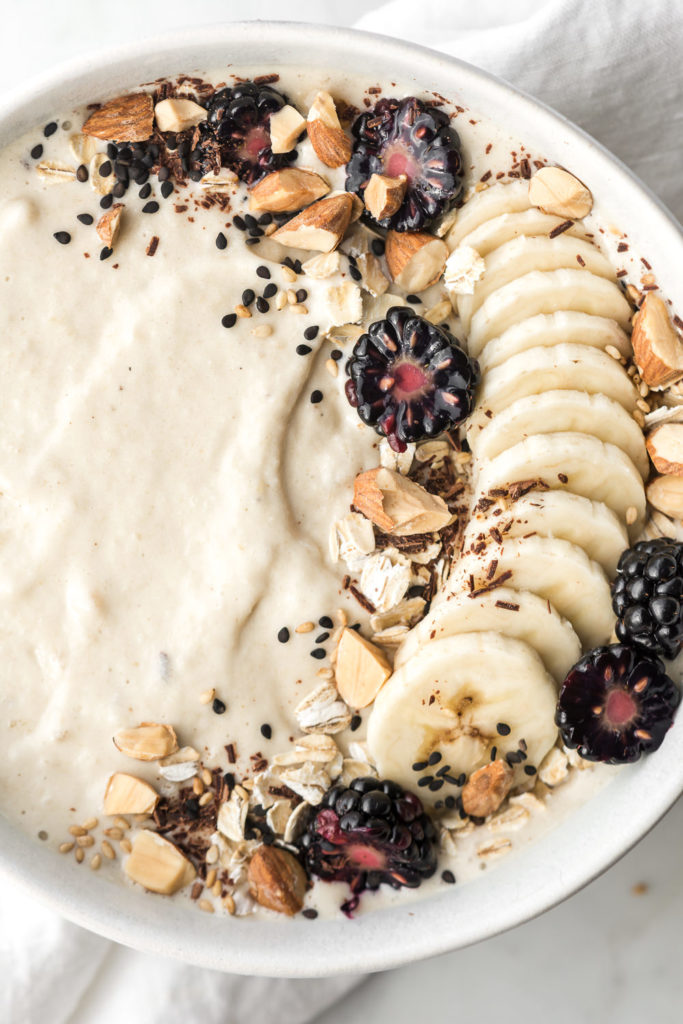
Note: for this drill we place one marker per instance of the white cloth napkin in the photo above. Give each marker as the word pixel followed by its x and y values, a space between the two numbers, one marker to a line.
pixel 613 66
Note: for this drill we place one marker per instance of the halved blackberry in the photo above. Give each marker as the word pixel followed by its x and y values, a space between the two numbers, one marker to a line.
pixel 408 137
pixel 616 704
pixel 238 120
pixel 370 834
pixel 409 378
pixel 647 596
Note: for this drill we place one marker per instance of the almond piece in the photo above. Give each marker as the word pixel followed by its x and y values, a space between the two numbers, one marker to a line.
pixel 398 505
pixel 555 190
pixel 415 259
pixel 277 880
pixel 148 741
pixel 666 494
pixel 665 446
pixel 657 348
pixel 344 302
pixel 325 265
pixel 327 136
pixel 109 225
pixel 127 794
pixel 287 191
pixel 383 195
pixel 125 119
pixel 361 670
pixel 176 114
pixel 285 127
pixel 321 226
pixel 370 268
pixel 157 864
pixel 485 790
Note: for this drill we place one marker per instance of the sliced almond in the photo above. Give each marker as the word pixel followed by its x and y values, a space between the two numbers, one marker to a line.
pixel 415 259
pixel 287 190
pixel 102 185
pixel 361 670
pixel 321 226
pixel 285 127
pixel 157 864
pixel 127 794
pixel 383 195
pixel 124 119
pixel 665 445
pixel 109 225
pixel 328 138
pixel 398 505
pixel 486 789
pixel 177 114
pixel 277 880
pixel 657 348
pixel 555 190
pixel 148 741
pixel 374 279
pixel 322 266
pixel 55 173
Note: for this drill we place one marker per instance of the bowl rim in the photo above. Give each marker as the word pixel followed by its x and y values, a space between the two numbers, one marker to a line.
pixel 538 877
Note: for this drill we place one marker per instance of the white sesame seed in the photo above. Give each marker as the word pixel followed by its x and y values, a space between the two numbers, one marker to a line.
pixel 79 855
pixel 325 673
pixel 122 823
pixel 332 367
pixel 206 776
pixel 242 311
pixel 262 331
pixel 207 696
pixel 197 786
pixel 280 300
pixel 216 888
pixel 114 833
pixel 291 296
pixel 288 274
pixel 126 845
pixel 90 824
pixel 212 854
pixel 642 405
pixel 299 309
pixel 638 417
pixel 66 847
pixel 342 616
pixel 229 903
pixel 211 876
pixel 305 627
pixel 613 352
pixel 108 850
pixel 206 799
pixel 95 862
pixel 206 906
pixel 76 830
pixel 85 840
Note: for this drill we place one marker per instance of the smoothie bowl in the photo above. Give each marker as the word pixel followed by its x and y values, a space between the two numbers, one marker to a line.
pixel 341 506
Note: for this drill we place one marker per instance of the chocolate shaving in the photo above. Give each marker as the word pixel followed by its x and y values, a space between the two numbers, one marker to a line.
pixel 493 585
pixel 564 226
pixel 507 605
pixel 362 600
pixel 153 245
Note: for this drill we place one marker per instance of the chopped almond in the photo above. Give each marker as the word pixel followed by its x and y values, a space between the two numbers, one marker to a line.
pixel 657 348
pixel 383 195
pixel 287 190
pixel 398 505
pixel 127 794
pixel 177 114
pixel 415 259
pixel 361 670
pixel 158 865
pixel 148 741
pixel 665 446
pixel 109 225
pixel 555 190
pixel 285 127
pixel 277 880
pixel 371 271
pixel 327 136
pixel 320 226
pixel 125 119
pixel 485 790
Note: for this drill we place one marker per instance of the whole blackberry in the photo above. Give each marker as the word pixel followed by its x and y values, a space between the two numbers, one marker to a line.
pixel 408 137
pixel 410 379
pixel 647 596
pixel 370 834
pixel 238 121
pixel 616 704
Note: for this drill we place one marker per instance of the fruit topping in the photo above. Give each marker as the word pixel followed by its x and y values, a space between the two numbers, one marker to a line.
pixel 239 119
pixel 647 596
pixel 370 834
pixel 616 704
pixel 408 138
pixel 409 378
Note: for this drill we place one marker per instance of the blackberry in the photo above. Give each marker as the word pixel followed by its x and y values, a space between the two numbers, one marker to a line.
pixel 370 834
pixel 238 122
pixel 408 137
pixel 616 704
pixel 647 596
pixel 409 378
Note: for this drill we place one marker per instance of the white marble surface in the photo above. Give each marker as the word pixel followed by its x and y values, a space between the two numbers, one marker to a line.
pixel 608 956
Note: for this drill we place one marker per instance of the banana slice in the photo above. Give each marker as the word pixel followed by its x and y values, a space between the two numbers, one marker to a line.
pixel 450 698
pixel 557 570
pixel 523 255
pixel 555 411
pixel 546 292
pixel 499 230
pixel 579 462
pixel 487 204
pixel 553 329
pixel 561 368
pixel 515 613
pixel 589 524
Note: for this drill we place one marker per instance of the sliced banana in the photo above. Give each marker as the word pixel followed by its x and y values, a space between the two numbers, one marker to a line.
pixel 515 613
pixel 450 698
pixel 557 570
pixel 579 462
pixel 555 411
pixel 590 524
pixel 546 292
pixel 523 255
pixel 503 228
pixel 484 205
pixel 561 368
pixel 549 329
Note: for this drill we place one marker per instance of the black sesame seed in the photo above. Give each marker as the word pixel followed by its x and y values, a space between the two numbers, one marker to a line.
pixel 355 723
pixel 107 201
pixel 322 638
pixel 105 253
pixel 248 296
pixel 435 757
pixel 229 779
pixel 263 271
pixel 112 151
pixel 266 731
pixel 50 129
pixel 319 653
pixel 37 151
pixel 239 223
pixel 355 626
pixel 145 191
pixel 265 218
pixel 150 207
pixel 316 397
pixel 413 298
pixel 378 246
pixel 283 635
pixel 355 273
pixel 419 766
pixel 85 218
pixel 256 232
pixel 450 802
pixel 303 350
pixel 503 729
pixel 252 241
pixel 119 190
pixel 164 174
pixel 250 220
pixel 529 769
pixel 269 291
pixel 221 241
pixel 196 175
pixel 192 807
pixel 435 785
pixel 443 771
pixel 105 169
pixel 450 780
pixel 218 706
pixel 229 320
pixel 311 332
pixel 326 622
pixel 425 780
pixel 262 305
pixel 337 354
pixel 63 237
pixel 438 805
pixel 461 779
pixel 301 295
pixel 494 753
pixel 288 262
pixel 167 189
pixel 310 913
pixel 82 173
pixel 448 877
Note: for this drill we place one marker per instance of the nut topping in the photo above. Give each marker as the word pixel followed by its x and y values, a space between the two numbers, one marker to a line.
pixel 555 190
pixel 127 794
pixel 125 119
pixel 149 741
pixel 665 446
pixel 285 127
pixel 657 348
pixel 415 259
pixel 158 865
pixel 277 880
pixel 178 114
pixel 109 226
pixel 398 505
pixel 485 790
pixel 361 671
pixel 666 494
pixel 327 136
pixel 383 195
pixel 321 226
pixel 287 190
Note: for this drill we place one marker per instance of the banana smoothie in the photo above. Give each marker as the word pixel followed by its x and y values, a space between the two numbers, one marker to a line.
pixel 329 572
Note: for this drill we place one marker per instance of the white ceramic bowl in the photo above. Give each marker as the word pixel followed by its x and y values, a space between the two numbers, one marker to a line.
pixel 589 841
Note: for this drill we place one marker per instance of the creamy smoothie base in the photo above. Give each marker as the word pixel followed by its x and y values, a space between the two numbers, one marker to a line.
pixel 184 538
